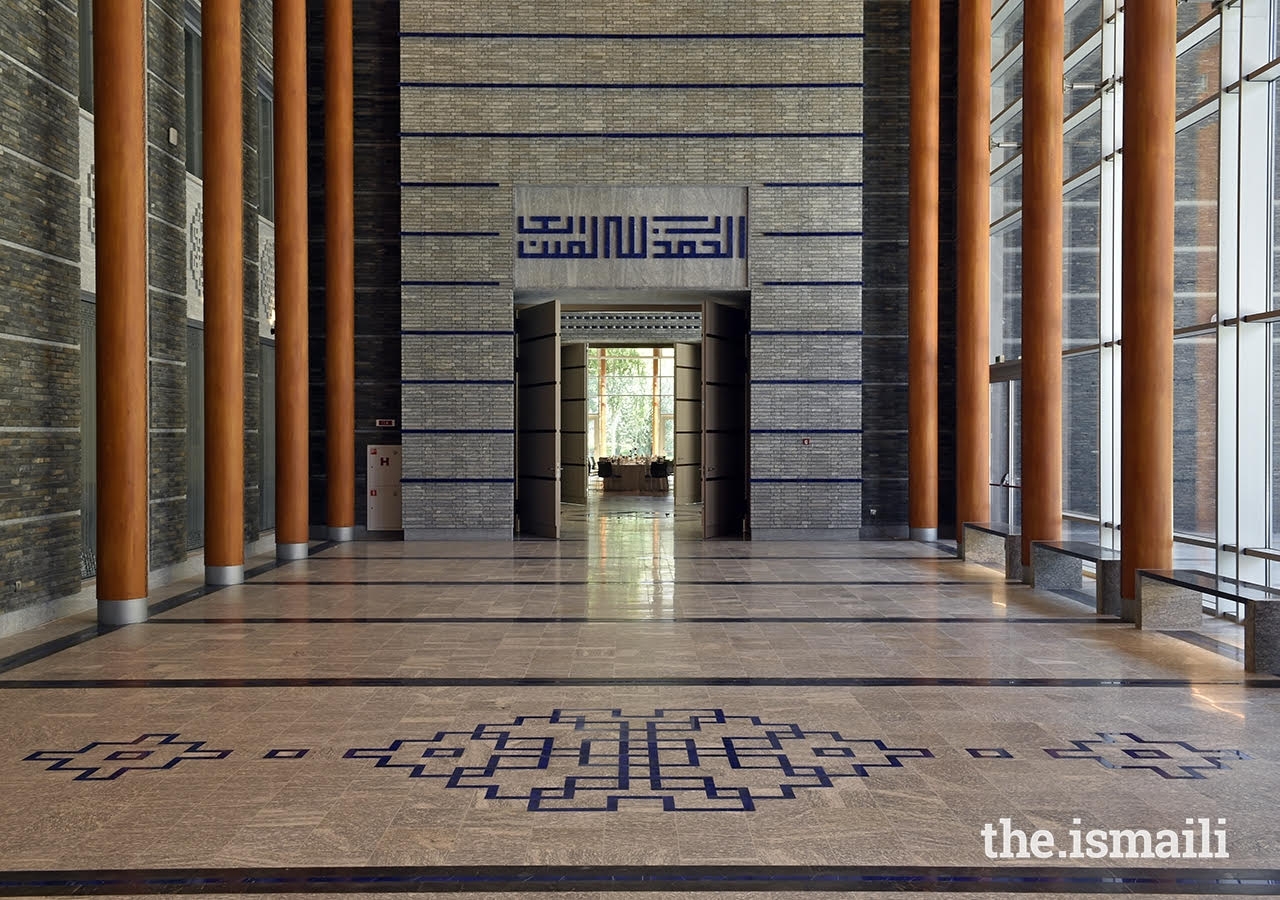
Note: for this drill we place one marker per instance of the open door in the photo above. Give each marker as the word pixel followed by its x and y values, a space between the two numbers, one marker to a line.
pixel 724 420
pixel 688 423
pixel 573 423
pixel 538 419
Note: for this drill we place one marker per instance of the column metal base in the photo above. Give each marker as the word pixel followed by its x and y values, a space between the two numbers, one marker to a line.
pixel 925 535
pixel 290 552
pixel 224 575
pixel 122 612
pixel 342 533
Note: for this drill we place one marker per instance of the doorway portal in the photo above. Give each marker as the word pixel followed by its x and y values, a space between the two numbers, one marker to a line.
pixel 662 421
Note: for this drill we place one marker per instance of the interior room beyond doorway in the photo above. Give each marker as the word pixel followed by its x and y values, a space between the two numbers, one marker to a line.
pixel 631 419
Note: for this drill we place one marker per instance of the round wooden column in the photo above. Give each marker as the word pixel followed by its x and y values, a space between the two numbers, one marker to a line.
pixel 1041 275
pixel 224 294
pixel 289 49
pixel 340 354
pixel 973 261
pixel 926 74
pixel 1146 381
pixel 121 170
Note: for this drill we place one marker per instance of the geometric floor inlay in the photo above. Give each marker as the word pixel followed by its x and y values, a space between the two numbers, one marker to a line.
pixel 108 760
pixel 1123 750
pixel 579 760
pixel 676 759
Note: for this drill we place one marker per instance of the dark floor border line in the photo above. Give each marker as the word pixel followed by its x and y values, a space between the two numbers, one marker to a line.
pixel 620 620
pixel 639 36
pixel 949 558
pixel 391 681
pixel 66 642
pixel 49 648
pixel 732 582
pixel 632 136
pixel 560 879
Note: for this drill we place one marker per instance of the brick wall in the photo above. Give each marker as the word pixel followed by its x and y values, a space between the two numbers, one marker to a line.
pixel 167 248
pixel 773 92
pixel 256 70
pixel 39 305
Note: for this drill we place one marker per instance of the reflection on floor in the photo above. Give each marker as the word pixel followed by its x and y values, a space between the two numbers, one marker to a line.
pixel 604 513
pixel 647 709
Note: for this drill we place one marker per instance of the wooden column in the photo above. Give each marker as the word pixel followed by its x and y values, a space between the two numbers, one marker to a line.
pixel 340 354
pixel 973 260
pixel 1146 383
pixel 602 418
pixel 224 294
pixel 922 381
pixel 1041 275
pixel 289 48
pixel 121 167
pixel 655 402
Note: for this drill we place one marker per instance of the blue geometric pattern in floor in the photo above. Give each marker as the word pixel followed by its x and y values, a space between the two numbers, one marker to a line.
pixel 1124 750
pixel 576 760
pixel 108 760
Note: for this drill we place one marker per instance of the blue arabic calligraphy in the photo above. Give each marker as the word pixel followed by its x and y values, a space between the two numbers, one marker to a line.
pixel 674 237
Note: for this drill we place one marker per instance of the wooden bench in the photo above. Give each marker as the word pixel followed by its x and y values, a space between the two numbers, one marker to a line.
pixel 1059 565
pixel 994 544
pixel 1170 599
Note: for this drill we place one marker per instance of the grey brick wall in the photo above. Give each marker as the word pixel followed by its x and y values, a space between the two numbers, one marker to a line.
pixel 885 210
pixel 256 68
pixel 39 305
pixel 780 110
pixel 167 252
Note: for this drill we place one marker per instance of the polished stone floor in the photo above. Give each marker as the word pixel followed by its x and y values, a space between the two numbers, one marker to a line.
pixel 391 715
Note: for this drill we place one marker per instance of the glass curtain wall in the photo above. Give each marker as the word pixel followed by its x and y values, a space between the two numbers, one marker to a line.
pixel 1006 263
pixel 1258 126
pixel 1082 270
pixel 1227 275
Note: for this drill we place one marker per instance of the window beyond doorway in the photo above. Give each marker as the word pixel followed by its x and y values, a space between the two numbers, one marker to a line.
pixel 630 401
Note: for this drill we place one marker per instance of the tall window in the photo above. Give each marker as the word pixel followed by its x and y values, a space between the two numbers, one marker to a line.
pixel 1006 182
pixel 266 154
pixel 631 401
pixel 1273 536
pixel 85 14
pixel 194 90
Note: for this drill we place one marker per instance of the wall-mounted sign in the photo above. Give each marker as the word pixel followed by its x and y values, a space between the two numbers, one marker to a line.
pixel 678 236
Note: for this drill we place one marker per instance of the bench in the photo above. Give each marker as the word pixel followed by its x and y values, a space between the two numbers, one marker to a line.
pixel 1170 599
pixel 1059 565
pixel 994 544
